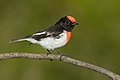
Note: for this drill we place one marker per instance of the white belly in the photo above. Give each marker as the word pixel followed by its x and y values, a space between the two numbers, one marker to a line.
pixel 50 42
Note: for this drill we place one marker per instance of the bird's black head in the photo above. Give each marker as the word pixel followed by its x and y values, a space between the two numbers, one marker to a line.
pixel 67 23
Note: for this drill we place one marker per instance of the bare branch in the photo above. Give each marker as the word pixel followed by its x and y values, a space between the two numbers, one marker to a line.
pixel 66 59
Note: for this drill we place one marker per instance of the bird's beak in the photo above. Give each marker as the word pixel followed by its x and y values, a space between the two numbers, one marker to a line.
pixel 76 23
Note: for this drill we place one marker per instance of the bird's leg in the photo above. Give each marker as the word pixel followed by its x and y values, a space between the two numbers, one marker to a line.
pixel 49 52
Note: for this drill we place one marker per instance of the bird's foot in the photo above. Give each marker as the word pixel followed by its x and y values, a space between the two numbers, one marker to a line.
pixel 49 59
pixel 49 52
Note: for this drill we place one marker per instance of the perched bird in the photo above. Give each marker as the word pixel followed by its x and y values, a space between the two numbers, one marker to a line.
pixel 55 36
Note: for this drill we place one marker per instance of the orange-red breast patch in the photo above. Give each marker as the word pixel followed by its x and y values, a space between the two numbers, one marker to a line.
pixel 68 35
pixel 71 19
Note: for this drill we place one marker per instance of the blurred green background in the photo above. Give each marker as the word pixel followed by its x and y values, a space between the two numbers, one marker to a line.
pixel 96 40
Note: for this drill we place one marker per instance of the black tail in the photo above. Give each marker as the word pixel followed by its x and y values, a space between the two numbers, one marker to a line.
pixel 19 39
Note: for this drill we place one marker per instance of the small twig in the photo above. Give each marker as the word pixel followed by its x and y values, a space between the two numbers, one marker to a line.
pixel 66 59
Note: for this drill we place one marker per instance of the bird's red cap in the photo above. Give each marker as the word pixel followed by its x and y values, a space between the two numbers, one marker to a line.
pixel 72 19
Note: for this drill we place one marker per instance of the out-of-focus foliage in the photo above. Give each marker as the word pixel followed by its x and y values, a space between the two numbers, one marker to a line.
pixel 95 40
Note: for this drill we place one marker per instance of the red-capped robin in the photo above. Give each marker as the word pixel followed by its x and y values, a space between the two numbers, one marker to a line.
pixel 55 36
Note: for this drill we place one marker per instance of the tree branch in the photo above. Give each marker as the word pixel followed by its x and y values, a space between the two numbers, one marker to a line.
pixel 63 58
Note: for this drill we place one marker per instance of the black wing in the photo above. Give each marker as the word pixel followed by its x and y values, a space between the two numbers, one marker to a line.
pixel 39 36
pixel 51 31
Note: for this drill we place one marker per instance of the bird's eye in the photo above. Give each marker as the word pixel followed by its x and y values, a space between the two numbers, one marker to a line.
pixel 67 22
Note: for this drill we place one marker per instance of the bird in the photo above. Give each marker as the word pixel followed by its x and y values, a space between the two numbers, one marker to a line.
pixel 54 36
